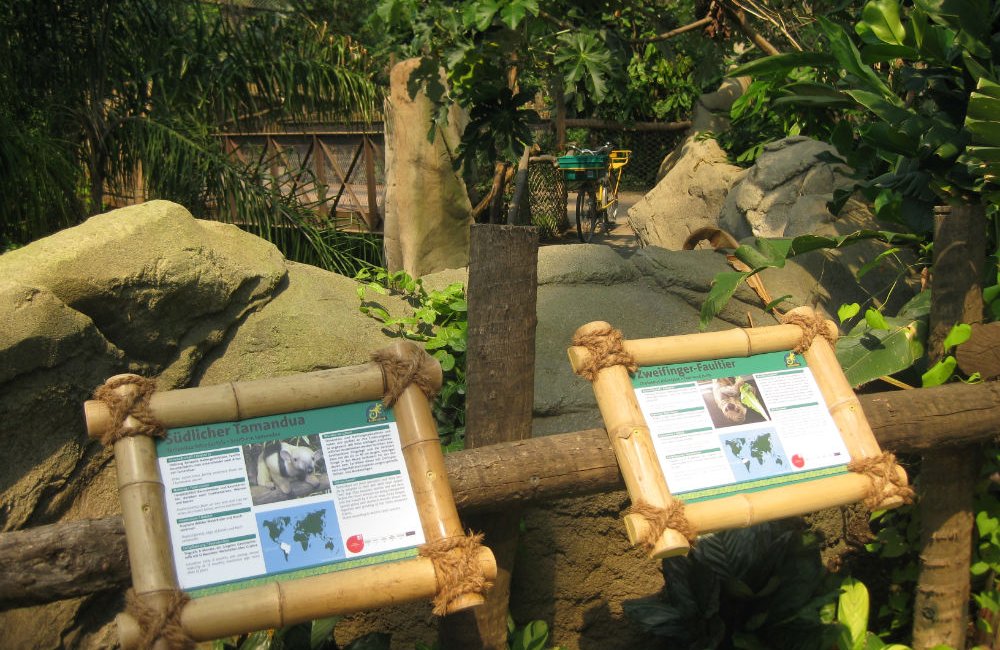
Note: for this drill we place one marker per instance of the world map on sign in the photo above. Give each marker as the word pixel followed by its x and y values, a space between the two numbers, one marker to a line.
pixel 298 537
pixel 753 455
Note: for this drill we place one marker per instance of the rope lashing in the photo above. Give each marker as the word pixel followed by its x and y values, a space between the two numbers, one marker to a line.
pixel 134 404
pixel 401 370
pixel 886 482
pixel 660 519
pixel 162 623
pixel 811 326
pixel 457 569
pixel 607 349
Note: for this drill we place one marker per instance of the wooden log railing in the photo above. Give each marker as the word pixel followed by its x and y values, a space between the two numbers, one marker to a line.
pixel 71 559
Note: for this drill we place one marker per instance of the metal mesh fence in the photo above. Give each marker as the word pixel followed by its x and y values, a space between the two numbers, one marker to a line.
pixel 546 205
pixel 648 150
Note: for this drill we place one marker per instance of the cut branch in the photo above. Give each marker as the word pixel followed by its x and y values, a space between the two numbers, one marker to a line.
pixel 674 32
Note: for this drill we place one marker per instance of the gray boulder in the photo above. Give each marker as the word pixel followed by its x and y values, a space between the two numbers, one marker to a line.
pixel 688 198
pixel 146 289
pixel 786 191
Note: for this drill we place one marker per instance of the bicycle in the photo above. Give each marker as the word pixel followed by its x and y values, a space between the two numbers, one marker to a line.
pixel 600 173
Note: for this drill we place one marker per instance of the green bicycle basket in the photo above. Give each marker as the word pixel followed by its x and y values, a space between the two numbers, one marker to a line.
pixel 583 168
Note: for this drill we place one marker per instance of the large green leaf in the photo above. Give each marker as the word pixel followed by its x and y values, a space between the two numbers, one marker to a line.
pixel 867 353
pixel 321 631
pixel 849 58
pixel 722 290
pixel 852 611
pixel 782 63
pixel 479 13
pixel 882 17
pixel 513 12
pixel 890 111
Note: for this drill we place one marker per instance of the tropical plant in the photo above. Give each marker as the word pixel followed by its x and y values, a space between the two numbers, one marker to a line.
pixel 905 92
pixel 758 587
pixel 110 93
pixel 440 322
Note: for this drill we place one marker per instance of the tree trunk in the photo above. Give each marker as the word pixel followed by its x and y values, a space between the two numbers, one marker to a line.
pixel 496 202
pixel 947 477
pixel 503 282
pixel 520 191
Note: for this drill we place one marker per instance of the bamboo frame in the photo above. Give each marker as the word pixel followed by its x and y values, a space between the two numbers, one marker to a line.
pixel 280 603
pixel 636 455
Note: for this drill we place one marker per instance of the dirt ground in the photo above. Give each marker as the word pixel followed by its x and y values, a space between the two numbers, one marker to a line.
pixel 620 236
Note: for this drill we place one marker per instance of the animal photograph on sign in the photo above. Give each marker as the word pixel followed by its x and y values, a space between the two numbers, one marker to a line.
pixel 733 401
pixel 286 469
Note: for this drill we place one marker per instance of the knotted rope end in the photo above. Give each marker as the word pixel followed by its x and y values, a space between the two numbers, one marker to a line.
pixel 888 481
pixel 671 517
pixel 457 567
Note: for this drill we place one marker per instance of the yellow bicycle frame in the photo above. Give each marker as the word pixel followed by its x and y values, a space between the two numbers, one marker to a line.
pixel 617 160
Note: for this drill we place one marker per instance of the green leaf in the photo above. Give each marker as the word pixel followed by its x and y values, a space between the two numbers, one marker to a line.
pixel 533 636
pixel 446 359
pixel 322 630
pixel 939 373
pixel 958 335
pixel 852 611
pixel 479 14
pixel 514 11
pixel 261 640
pixel 846 312
pixel 866 354
pixel 849 58
pixel 871 264
pixel 723 287
pixel 875 319
pixel 882 17
pixel 888 111
pixel 782 63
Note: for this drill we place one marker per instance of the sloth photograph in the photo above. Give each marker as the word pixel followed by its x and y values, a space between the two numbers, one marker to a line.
pixel 733 401
pixel 286 469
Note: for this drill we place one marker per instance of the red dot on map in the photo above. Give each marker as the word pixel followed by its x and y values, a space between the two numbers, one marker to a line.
pixel 355 543
pixel 798 461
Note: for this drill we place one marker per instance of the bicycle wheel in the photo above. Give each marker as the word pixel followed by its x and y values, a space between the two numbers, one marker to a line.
pixel 609 200
pixel 586 214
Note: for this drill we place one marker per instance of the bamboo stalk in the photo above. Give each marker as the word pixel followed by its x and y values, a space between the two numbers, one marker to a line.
pixel 425 463
pixel 751 508
pixel 141 493
pixel 633 447
pixel 736 342
pixel 241 400
pixel 278 604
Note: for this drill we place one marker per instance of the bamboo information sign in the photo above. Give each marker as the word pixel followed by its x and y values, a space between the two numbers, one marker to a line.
pixel 729 429
pixel 261 504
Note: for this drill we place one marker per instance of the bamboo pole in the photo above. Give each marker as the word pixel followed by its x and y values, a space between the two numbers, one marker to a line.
pixel 241 400
pixel 141 493
pixel 278 604
pixel 633 447
pixel 425 463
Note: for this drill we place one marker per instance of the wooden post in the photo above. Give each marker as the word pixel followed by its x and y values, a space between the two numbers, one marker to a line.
pixel 319 163
pixel 503 280
pixel 374 218
pixel 948 477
